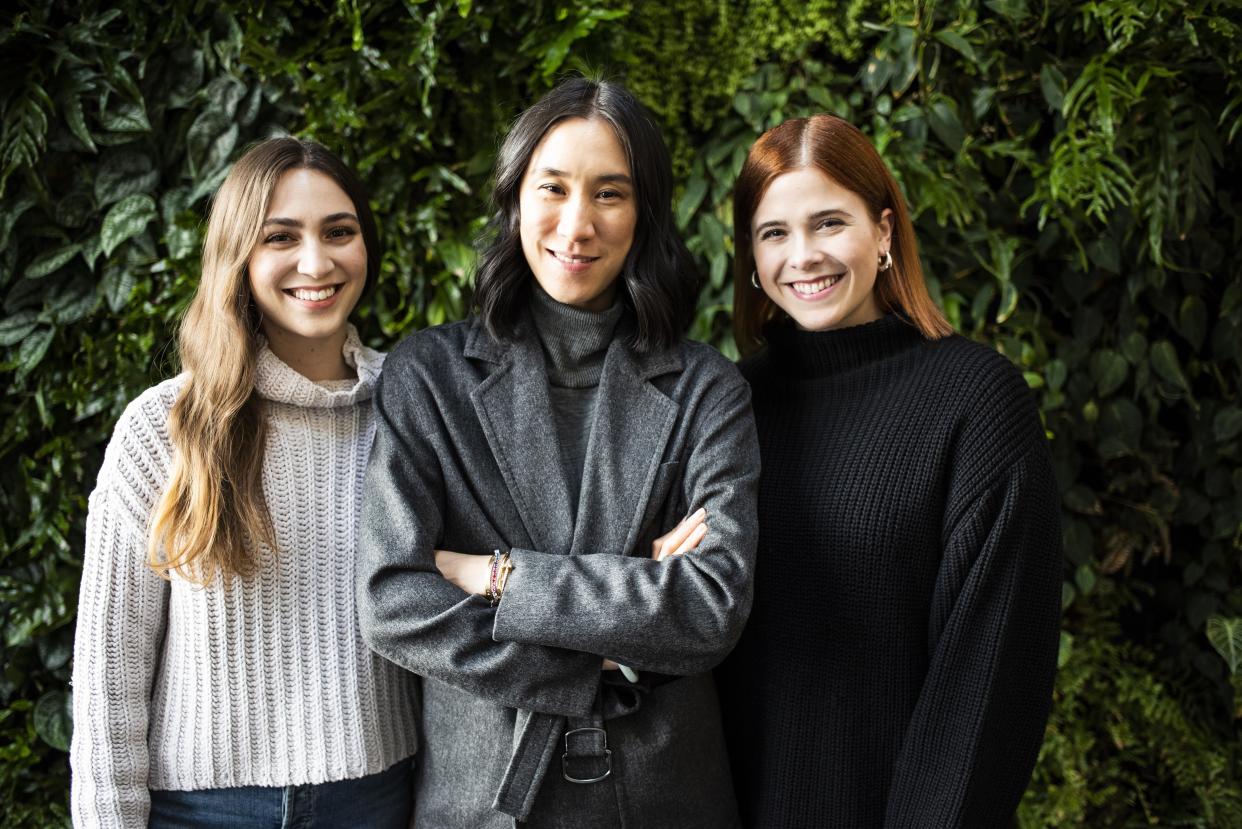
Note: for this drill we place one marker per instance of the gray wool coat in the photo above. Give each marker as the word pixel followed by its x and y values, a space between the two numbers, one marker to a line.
pixel 467 459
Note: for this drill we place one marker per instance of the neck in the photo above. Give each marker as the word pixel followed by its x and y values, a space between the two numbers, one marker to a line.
pixel 315 358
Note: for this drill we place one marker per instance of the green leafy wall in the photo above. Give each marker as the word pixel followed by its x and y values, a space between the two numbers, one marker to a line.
pixel 1073 169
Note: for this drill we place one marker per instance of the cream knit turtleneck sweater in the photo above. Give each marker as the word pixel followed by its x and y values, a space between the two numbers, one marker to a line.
pixel 262 680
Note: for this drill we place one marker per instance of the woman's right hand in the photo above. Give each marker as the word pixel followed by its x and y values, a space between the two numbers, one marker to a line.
pixel 683 538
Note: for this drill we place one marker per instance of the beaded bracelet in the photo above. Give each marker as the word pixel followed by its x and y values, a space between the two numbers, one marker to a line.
pixel 492 594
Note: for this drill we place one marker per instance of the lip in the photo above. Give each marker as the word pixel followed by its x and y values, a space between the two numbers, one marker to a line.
pixel 315 304
pixel 818 295
pixel 583 263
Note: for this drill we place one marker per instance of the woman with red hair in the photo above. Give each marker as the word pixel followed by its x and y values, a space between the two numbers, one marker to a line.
pixel 898 663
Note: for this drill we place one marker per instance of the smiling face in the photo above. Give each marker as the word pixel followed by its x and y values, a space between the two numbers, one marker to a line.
pixel 309 267
pixel 578 213
pixel 817 250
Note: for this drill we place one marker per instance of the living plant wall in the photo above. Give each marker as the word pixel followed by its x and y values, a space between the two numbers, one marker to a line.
pixel 1072 165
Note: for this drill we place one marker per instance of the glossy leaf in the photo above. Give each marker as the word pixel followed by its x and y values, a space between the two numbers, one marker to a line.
pixel 126 219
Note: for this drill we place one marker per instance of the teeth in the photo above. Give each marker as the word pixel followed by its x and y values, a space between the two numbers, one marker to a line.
pixel 565 257
pixel 314 296
pixel 809 288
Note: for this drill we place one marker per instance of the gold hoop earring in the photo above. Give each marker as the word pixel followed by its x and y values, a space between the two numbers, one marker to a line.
pixel 754 279
pixel 886 261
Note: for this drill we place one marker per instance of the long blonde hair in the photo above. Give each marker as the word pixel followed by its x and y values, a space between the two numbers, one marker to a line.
pixel 212 515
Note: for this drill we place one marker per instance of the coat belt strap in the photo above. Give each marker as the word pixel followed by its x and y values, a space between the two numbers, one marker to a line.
pixel 536 739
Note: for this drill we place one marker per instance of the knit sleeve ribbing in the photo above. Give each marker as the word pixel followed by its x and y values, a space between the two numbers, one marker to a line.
pixel 122 609
pixel 977 726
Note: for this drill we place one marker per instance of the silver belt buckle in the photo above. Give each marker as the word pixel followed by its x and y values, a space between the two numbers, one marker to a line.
pixel 565 758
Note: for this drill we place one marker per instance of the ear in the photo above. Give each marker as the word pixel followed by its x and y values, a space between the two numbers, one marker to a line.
pixel 884 229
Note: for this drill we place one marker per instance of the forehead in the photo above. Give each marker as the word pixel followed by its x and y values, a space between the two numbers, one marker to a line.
pixel 805 190
pixel 303 191
pixel 581 146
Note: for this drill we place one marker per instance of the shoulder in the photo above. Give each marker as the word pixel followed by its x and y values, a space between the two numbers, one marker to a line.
pixel 981 383
pixel 706 364
pixel 139 455
pixel 430 344
pixel 147 414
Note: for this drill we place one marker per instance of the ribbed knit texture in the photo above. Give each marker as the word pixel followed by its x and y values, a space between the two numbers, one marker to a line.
pixel 897 667
pixel 575 343
pixel 262 680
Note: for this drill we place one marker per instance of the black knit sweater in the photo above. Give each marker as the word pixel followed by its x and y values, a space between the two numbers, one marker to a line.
pixel 898 664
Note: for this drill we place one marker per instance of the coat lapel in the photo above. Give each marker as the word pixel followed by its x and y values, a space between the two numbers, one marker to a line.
pixel 633 421
pixel 515 411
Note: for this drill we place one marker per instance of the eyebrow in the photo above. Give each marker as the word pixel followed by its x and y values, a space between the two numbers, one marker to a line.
pixel 611 178
pixel 332 217
pixel 821 214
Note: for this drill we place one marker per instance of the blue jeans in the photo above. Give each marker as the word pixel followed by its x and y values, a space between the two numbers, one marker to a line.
pixel 378 801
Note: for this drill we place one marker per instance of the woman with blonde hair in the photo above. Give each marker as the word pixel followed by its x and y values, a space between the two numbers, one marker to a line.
pixel 897 666
pixel 220 678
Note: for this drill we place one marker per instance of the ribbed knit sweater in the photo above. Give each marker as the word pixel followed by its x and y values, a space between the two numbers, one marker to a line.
pixel 897 667
pixel 575 343
pixel 263 680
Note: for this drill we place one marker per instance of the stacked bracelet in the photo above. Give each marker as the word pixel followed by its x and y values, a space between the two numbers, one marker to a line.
pixel 499 576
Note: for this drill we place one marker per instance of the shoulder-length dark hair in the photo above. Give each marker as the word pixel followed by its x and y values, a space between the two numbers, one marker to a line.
pixel 840 151
pixel 659 280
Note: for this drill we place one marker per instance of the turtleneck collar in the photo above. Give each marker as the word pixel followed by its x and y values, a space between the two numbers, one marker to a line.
pixel 574 341
pixel 274 380
pixel 822 353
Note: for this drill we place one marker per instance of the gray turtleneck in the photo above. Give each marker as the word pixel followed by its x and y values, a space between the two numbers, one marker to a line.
pixel 575 343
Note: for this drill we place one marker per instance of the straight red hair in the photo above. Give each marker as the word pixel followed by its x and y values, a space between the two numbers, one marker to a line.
pixel 840 151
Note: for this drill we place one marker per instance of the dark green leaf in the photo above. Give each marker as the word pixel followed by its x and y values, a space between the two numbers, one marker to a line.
pixel 117 285
pixel 72 107
pixel 51 261
pixel 1052 84
pixel 1166 365
pixel 1225 634
pixel 15 327
pixel 53 719
pixel 13 211
pixel 1055 374
pixel 126 219
pixel 122 173
pixel 126 117
pixel 1109 370
pixel 33 349
pixel 1192 320
pixel 955 41
pixel 1015 11
pixel 690 200
pixel 942 117
pixel 1227 423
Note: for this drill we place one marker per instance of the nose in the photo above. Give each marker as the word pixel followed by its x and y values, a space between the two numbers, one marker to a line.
pixel 576 222
pixel 314 260
pixel 805 254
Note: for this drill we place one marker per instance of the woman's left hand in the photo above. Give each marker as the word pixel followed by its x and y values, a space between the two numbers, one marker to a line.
pixel 469 572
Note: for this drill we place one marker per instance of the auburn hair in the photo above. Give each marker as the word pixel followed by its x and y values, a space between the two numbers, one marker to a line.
pixel 212 514
pixel 840 151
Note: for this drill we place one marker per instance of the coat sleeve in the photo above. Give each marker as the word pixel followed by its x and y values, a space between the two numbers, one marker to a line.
pixel 122 613
pixel 680 616
pixel 413 616
pixel 979 720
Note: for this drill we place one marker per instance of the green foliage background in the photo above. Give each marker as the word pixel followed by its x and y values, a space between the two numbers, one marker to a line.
pixel 1073 169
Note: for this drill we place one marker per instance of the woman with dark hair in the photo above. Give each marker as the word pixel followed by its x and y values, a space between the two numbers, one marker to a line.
pixel 525 463
pixel 897 667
